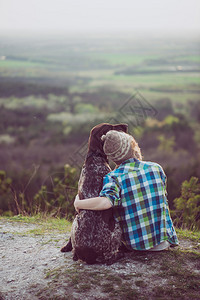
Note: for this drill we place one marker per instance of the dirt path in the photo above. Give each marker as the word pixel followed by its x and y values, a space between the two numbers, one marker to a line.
pixel 32 267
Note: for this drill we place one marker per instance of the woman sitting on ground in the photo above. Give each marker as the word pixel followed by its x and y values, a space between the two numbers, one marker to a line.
pixel 137 191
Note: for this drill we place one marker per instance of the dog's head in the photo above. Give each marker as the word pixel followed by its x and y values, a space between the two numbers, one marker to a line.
pixel 95 142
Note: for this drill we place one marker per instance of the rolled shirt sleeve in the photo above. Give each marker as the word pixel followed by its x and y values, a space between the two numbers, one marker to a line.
pixel 111 190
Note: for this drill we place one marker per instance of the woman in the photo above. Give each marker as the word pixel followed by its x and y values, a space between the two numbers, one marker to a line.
pixel 137 192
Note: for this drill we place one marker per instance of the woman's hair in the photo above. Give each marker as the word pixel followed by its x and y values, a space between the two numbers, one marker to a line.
pixel 136 150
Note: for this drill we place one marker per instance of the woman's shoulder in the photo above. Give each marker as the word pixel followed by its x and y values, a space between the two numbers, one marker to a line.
pixel 152 166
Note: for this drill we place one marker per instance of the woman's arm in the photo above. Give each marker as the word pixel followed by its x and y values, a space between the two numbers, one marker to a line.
pixel 97 203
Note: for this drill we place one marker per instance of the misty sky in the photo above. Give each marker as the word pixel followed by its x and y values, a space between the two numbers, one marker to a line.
pixel 99 15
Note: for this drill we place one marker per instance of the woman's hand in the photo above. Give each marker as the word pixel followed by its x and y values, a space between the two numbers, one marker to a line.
pixel 76 201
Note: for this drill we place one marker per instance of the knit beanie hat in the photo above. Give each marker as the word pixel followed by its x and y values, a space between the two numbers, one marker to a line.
pixel 118 146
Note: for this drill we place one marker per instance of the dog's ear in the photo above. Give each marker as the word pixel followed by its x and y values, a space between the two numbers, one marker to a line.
pixel 121 127
pixel 95 142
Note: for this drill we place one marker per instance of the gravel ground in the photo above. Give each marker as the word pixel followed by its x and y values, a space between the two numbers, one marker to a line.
pixel 32 267
pixel 25 257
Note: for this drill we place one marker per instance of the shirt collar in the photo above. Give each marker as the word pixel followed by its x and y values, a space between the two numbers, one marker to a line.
pixel 127 161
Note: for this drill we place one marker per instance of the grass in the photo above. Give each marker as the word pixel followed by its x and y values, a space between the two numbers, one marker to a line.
pixel 13 64
pixel 144 83
pixel 149 80
pixel 188 234
pixel 124 59
pixel 47 224
pixel 192 58
pixel 129 59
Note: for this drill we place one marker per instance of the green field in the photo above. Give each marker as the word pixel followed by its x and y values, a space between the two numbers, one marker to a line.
pixel 158 68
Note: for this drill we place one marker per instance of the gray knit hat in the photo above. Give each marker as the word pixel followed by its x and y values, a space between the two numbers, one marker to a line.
pixel 117 145
pixel 120 146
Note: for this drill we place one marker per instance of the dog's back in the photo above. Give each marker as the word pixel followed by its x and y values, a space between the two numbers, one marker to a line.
pixel 91 178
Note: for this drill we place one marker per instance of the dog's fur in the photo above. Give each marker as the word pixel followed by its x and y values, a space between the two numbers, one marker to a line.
pixel 95 236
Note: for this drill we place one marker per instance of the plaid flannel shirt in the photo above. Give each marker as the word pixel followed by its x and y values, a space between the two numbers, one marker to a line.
pixel 137 191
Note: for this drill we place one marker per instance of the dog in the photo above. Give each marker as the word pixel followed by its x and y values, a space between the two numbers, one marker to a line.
pixel 95 236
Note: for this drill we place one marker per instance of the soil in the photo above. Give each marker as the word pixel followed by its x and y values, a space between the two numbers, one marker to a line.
pixel 32 267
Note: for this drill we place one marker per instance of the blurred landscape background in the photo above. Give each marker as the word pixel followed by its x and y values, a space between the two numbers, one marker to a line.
pixel 55 87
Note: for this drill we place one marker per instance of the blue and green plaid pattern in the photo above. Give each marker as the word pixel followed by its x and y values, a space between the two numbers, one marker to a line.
pixel 137 191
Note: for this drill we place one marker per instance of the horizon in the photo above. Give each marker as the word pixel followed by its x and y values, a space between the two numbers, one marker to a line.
pixel 114 34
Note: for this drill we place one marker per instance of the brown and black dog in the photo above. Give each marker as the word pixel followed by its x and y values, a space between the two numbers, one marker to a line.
pixel 95 236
